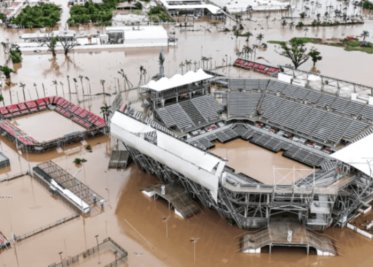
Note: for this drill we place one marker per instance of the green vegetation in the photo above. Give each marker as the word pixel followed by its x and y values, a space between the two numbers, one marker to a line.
pixel 6 71
pixel 15 54
pixel 79 161
pixel 100 14
pixel 367 5
pixel 296 51
pixel 40 16
pixel 356 45
pixel 298 39
pixel 315 56
pixel 159 14
pixel 349 44
pixel 2 17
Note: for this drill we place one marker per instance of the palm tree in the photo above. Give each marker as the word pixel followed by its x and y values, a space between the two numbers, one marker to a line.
pixel 182 65
pixel 188 63
pixel 260 37
pixel 7 72
pixel 106 111
pixel 364 34
pixel 315 56
pixel 246 50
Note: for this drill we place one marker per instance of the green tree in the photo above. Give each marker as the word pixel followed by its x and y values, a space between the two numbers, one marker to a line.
pixel 6 71
pixel 105 111
pixel 40 16
pixel 260 37
pixel 364 34
pixel 296 51
pixel 52 45
pixel 315 56
pixel 15 54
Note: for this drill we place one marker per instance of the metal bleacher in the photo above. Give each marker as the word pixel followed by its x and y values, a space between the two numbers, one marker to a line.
pixel 242 104
pixel 190 114
pixel 181 118
pixel 208 107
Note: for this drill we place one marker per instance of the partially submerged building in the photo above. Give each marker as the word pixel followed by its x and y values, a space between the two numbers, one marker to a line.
pixel 329 133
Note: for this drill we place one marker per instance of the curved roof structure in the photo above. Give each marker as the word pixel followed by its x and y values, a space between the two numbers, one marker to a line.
pixel 200 166
pixel 177 80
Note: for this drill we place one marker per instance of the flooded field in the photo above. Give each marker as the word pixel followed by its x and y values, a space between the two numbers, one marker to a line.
pixel 259 163
pixel 27 205
pixel 132 220
pixel 34 125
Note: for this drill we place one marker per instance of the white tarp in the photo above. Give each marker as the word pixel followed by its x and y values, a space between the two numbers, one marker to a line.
pixel 177 80
pixel 197 165
pixel 358 155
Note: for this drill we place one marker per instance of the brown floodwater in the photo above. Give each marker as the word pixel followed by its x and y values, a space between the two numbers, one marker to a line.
pixel 259 163
pixel 131 219
pixel 58 126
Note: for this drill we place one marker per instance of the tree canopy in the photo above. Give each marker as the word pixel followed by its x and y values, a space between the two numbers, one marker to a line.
pixel 315 56
pixel 296 51
pixel 92 13
pixel 40 16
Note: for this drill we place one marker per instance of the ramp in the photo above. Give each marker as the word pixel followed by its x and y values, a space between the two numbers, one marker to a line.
pixel 288 234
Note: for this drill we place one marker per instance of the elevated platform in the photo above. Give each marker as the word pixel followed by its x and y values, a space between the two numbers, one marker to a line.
pixel 119 159
pixel 184 206
pixel 69 187
pixel 284 233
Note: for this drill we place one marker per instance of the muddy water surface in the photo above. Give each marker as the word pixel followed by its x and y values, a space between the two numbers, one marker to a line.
pixel 259 163
pixel 47 125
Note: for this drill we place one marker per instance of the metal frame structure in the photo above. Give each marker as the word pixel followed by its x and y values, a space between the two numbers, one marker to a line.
pixel 332 195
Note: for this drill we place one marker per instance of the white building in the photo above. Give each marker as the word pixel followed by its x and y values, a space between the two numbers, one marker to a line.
pixel 196 7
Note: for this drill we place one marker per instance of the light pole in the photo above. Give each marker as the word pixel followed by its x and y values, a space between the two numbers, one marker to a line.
pixel 116 257
pixel 81 82
pixel 194 241
pixel 98 249
pixel 63 91
pixel 22 85
pixel 103 89
pixel 89 86
pixel 42 86
pixel 165 220
pixel 76 89
pixel 68 85
pixel 36 90
pixel 61 259
pixel 55 87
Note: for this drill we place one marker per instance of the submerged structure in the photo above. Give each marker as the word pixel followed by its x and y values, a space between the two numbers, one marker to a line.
pixel 315 128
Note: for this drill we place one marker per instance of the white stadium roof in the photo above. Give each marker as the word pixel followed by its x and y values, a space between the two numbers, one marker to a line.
pixel 195 164
pixel 358 155
pixel 177 80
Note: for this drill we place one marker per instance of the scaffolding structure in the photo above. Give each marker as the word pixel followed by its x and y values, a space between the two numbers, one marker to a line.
pixel 70 188
pixel 331 195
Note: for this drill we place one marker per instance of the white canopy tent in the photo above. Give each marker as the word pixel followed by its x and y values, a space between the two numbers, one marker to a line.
pixel 358 155
pixel 177 80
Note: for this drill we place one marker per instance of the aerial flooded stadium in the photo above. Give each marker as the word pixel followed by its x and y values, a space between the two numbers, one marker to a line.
pixel 186 133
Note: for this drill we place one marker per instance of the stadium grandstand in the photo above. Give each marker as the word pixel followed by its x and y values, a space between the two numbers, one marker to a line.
pixel 323 131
